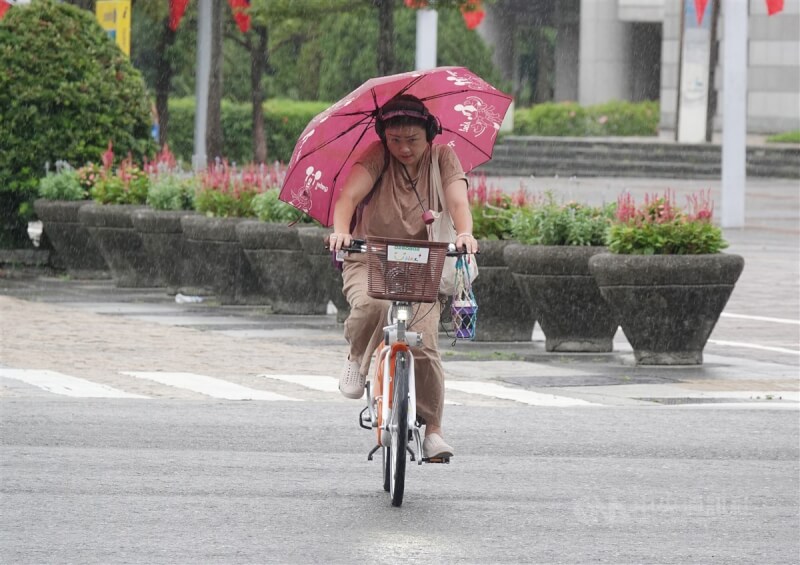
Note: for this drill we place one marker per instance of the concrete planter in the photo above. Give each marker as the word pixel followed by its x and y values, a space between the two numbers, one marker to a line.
pixel 323 271
pixel 570 309
pixel 75 250
pixel 215 262
pixel 274 252
pixel 667 305
pixel 162 238
pixel 111 228
pixel 503 312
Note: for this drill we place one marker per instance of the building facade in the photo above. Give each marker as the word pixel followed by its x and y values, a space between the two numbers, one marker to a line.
pixel 630 50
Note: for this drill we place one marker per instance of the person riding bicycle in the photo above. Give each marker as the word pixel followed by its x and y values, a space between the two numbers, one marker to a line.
pixel 386 194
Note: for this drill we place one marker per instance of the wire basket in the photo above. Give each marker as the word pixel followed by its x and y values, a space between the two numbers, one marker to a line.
pixel 404 269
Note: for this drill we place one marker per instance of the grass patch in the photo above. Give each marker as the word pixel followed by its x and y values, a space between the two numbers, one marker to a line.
pixel 786 137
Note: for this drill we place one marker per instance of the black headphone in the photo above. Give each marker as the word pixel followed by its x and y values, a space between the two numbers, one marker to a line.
pixel 407 105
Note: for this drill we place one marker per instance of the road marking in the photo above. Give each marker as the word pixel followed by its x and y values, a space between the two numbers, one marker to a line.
pixel 58 383
pixel 516 394
pixel 314 382
pixel 762 318
pixel 754 346
pixel 215 388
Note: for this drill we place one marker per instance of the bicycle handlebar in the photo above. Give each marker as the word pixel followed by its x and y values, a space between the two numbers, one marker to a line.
pixel 360 246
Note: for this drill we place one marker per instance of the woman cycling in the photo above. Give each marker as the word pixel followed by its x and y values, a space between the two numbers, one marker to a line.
pixel 386 194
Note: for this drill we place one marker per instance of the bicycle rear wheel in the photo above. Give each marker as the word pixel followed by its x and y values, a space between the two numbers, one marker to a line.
pixel 399 429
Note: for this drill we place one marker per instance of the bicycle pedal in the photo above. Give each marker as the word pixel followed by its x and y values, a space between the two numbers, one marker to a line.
pixel 444 460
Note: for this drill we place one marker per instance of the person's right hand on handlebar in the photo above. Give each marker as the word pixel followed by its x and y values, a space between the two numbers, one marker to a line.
pixel 336 241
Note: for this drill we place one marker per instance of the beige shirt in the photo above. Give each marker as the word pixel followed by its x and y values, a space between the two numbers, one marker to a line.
pixel 393 209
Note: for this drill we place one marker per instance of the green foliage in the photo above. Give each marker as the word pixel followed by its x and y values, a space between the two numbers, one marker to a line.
pixel 786 137
pixel 284 121
pixel 492 209
pixel 659 227
pixel 268 208
pixel 65 91
pixel 568 119
pixel 546 222
pixel 127 185
pixel 171 192
pixel 62 185
pixel 225 204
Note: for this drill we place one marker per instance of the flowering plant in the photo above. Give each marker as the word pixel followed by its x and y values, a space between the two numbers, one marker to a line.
pixel 227 191
pixel 127 184
pixel 660 227
pixel 547 222
pixel 492 209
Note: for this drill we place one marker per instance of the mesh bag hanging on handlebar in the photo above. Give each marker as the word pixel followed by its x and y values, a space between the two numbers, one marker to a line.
pixel 464 309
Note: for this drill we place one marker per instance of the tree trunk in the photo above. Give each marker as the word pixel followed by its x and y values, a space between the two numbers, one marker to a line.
pixel 385 36
pixel 214 128
pixel 164 72
pixel 258 63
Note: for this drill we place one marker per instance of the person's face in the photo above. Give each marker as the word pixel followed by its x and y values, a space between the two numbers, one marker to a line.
pixel 406 143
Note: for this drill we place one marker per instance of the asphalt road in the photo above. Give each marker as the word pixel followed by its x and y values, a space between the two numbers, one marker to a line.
pixel 176 481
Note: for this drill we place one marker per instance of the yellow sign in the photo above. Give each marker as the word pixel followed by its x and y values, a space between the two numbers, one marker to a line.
pixel 115 17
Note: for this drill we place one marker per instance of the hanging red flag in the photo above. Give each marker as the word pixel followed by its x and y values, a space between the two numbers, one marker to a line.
pixel 473 13
pixel 700 10
pixel 176 11
pixel 774 6
pixel 4 6
pixel 240 14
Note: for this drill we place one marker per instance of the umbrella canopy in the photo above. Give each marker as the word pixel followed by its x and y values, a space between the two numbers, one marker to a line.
pixel 469 109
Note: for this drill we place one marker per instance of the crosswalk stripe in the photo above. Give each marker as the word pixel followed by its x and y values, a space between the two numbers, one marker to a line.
pixel 65 385
pixel 314 382
pixel 518 395
pixel 216 388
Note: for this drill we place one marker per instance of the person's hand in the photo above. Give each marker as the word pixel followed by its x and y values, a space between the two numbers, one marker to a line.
pixel 466 242
pixel 338 240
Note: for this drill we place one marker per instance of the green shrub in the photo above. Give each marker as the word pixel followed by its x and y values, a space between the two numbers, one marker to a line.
pixel 786 137
pixel 492 209
pixel 62 185
pixel 659 227
pixel 268 208
pixel 284 121
pixel 65 90
pixel 546 222
pixel 568 119
pixel 171 192
pixel 127 185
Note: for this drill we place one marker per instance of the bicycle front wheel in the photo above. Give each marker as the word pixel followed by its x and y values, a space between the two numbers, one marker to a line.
pixel 399 429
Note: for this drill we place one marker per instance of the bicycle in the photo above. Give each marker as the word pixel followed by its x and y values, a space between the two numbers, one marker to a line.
pixel 405 272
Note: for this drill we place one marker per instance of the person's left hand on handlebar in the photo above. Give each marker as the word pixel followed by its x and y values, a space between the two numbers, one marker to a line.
pixel 467 242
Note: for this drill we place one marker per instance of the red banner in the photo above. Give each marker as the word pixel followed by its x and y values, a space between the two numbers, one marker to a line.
pixel 178 7
pixel 176 11
pixel 473 13
pixel 773 7
pixel 4 6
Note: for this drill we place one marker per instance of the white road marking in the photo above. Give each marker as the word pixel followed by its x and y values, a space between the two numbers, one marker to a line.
pixel 65 385
pixel 216 388
pixel 761 318
pixel 516 394
pixel 314 382
pixel 754 346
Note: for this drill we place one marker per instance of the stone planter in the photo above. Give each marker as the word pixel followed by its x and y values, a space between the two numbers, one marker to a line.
pixel 322 269
pixel 667 305
pixel 111 228
pixel 162 238
pixel 570 309
pixel 275 254
pixel 74 247
pixel 503 312
pixel 215 262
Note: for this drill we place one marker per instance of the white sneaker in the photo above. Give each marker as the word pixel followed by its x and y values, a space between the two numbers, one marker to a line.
pixel 435 446
pixel 351 383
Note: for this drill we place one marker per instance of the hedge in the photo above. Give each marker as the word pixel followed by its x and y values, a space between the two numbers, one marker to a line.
pixel 284 121
pixel 568 119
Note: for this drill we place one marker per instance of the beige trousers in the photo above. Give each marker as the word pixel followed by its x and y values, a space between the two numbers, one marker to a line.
pixel 363 330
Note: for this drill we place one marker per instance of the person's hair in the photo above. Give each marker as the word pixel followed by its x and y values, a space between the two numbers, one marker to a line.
pixel 405 110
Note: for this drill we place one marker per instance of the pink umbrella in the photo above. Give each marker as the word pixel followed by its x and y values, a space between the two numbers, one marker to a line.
pixel 470 111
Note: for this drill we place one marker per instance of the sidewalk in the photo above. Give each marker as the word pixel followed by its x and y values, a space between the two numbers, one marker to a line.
pixel 93 330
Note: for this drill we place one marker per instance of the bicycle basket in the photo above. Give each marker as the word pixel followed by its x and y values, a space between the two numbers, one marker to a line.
pixel 403 269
